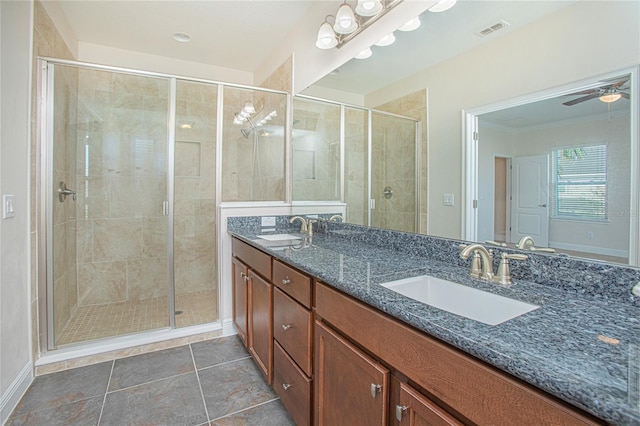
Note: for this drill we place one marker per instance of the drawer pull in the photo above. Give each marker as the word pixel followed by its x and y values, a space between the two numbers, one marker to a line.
pixel 286 386
pixel 400 410
pixel 285 327
pixel 286 281
pixel 375 389
pixel 242 275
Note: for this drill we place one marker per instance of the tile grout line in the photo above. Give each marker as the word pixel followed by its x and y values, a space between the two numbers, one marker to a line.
pixel 195 367
pixel 106 391
pixel 245 409
pixel 225 363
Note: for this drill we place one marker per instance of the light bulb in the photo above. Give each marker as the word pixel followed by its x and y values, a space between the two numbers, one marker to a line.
pixel 442 5
pixel 345 20
pixel 411 25
pixel 386 40
pixel 326 37
pixel 368 7
pixel 249 108
pixel 366 53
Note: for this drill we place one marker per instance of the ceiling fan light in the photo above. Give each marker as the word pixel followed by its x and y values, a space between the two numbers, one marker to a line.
pixel 368 7
pixel 610 97
pixel 442 5
pixel 345 20
pixel 249 108
pixel 386 40
pixel 326 37
pixel 366 53
pixel 413 24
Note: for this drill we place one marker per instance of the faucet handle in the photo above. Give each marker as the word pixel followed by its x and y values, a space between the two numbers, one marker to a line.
pixel 503 276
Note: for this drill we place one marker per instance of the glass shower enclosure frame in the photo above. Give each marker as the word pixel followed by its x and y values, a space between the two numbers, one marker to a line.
pixel 156 175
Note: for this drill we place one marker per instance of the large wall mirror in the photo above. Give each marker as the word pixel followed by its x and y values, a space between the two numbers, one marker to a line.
pixel 536 78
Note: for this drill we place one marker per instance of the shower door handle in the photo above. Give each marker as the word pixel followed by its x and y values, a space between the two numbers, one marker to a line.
pixel 64 192
pixel 165 208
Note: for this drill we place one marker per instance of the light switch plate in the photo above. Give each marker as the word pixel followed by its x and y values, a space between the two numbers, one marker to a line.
pixel 448 200
pixel 8 206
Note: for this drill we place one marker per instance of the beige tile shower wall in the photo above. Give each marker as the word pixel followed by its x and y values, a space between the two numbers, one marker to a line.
pixel 316 151
pixel 356 171
pixel 121 180
pixel 281 78
pixel 393 152
pixel 47 42
pixel 414 105
pixel 195 189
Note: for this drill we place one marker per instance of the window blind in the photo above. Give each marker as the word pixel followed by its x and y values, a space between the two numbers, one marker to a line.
pixel 581 182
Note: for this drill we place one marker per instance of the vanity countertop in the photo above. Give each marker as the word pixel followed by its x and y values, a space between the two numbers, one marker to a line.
pixel 584 350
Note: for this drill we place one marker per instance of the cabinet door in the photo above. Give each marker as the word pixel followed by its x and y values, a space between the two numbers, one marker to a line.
pixel 240 283
pixel 417 410
pixel 350 387
pixel 261 323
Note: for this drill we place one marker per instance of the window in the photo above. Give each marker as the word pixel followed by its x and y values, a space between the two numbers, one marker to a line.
pixel 580 178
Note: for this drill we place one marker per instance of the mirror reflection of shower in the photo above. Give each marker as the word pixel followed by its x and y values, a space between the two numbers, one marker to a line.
pixel 249 116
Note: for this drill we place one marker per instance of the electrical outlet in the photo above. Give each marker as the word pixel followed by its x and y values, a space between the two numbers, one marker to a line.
pixel 589 235
pixel 8 206
pixel 268 221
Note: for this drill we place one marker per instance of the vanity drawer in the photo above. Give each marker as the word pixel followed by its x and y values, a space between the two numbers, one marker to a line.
pixel 292 386
pixel 292 282
pixel 292 329
pixel 254 258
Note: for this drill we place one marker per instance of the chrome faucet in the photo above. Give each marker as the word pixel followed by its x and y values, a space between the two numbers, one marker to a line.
pixel 486 257
pixel 310 223
pixel 482 263
pixel 336 218
pixel 303 223
pixel 525 242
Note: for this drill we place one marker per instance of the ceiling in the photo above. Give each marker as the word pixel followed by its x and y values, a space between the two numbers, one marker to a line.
pixel 236 34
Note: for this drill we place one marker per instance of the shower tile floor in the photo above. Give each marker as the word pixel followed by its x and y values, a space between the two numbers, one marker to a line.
pixel 213 383
pixel 115 319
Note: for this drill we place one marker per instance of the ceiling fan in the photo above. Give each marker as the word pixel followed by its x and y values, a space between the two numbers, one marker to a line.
pixel 608 92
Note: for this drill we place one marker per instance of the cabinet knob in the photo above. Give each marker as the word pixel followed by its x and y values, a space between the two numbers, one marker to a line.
pixel 286 281
pixel 375 389
pixel 242 275
pixel 400 410
pixel 285 327
pixel 286 386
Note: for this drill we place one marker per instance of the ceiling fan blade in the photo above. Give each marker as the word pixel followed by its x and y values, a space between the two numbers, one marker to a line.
pixel 624 95
pixel 619 83
pixel 584 92
pixel 582 99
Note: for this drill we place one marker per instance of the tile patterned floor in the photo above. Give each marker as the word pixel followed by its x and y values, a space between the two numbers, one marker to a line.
pixel 212 383
pixel 116 319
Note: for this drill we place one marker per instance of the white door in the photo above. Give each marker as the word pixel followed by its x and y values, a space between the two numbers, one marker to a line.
pixel 530 199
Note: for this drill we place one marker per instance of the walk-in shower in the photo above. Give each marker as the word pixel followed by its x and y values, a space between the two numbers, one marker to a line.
pixel 131 170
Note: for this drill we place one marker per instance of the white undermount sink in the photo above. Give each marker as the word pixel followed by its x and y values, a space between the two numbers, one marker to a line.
pixel 461 300
pixel 280 237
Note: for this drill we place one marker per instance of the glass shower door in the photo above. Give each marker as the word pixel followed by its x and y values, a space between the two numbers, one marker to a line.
pixel 108 242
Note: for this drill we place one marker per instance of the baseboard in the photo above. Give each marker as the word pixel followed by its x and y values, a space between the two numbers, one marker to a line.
pixel 15 391
pixel 590 249
pixel 227 328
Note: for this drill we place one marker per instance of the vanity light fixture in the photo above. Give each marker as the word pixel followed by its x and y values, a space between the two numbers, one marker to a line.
pixel 386 40
pixel 366 53
pixel 345 20
pixel 442 5
pixel 413 24
pixel 347 24
pixel 610 96
pixel 368 7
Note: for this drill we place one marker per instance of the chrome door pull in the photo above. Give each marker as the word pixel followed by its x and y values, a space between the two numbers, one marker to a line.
pixel 285 327
pixel 375 389
pixel 400 410
pixel 64 192
pixel 286 386
pixel 285 281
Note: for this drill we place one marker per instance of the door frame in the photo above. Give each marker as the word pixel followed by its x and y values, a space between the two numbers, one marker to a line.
pixel 470 152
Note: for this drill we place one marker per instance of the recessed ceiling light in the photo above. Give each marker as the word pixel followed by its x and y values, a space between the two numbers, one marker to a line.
pixel 181 37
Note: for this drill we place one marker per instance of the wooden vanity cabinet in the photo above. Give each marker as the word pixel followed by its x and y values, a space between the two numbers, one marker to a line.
pixel 468 389
pixel 253 303
pixel 240 295
pixel 350 387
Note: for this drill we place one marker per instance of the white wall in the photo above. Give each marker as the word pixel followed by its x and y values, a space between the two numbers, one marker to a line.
pixel 570 45
pixel 16 25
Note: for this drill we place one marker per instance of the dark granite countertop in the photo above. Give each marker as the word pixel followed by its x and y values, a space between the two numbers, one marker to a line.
pixel 558 348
